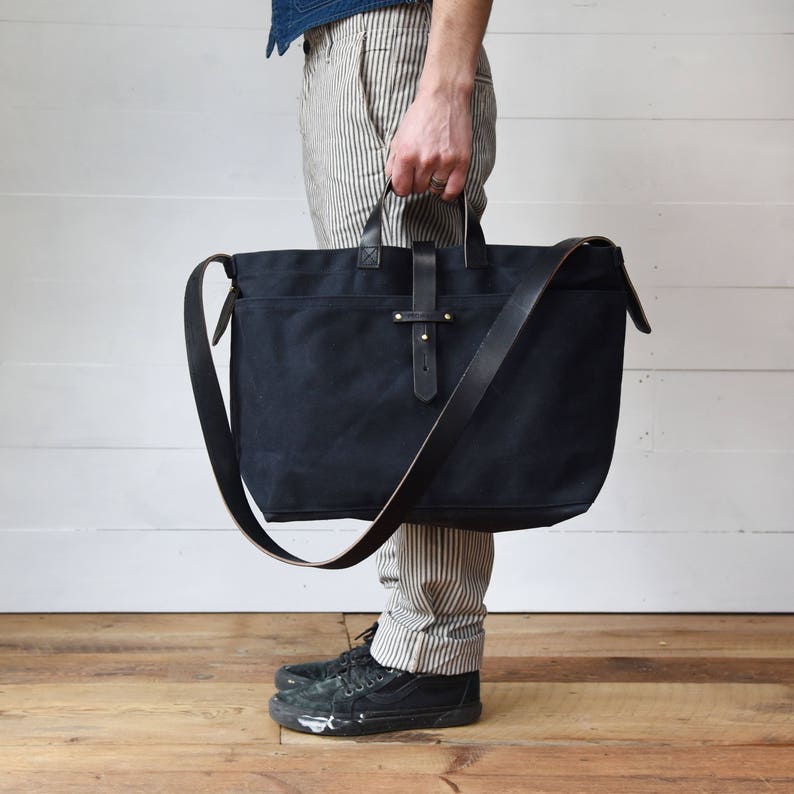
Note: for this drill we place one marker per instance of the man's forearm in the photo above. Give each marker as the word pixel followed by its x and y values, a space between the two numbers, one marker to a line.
pixel 434 138
pixel 457 28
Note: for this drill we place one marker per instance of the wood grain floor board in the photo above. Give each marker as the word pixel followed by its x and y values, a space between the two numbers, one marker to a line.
pixel 425 768
pixel 639 669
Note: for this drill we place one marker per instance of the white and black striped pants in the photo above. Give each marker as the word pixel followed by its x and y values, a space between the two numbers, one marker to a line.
pixel 360 76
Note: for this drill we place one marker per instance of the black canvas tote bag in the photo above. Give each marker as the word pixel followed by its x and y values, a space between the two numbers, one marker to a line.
pixel 475 386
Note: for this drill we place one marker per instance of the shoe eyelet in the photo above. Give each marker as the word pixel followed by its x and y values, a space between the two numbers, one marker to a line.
pixel 370 683
pixel 379 677
pixel 359 687
pixel 348 692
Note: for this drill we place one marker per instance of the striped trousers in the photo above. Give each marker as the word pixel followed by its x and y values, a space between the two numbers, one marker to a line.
pixel 360 76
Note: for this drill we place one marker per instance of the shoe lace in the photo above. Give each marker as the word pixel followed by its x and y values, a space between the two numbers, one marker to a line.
pixel 368 634
pixel 347 658
pixel 363 675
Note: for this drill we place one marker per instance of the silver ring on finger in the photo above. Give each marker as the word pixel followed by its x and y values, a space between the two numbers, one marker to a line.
pixel 437 184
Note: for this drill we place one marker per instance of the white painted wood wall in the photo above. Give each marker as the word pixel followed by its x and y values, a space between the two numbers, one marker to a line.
pixel 136 138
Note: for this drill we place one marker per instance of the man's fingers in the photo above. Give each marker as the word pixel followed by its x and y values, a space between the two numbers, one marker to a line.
pixel 422 175
pixel 406 180
pixel 438 182
pixel 402 178
pixel 412 173
pixel 455 183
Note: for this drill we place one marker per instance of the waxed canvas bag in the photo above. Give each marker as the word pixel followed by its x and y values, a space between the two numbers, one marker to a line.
pixel 474 386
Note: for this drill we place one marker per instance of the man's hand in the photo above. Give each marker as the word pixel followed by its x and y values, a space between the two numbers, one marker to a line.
pixel 434 137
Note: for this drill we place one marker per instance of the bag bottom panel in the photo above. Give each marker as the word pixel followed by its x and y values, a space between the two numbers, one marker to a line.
pixel 477 518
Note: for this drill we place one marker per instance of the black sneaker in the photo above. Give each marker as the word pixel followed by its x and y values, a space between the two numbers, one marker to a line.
pixel 291 675
pixel 369 698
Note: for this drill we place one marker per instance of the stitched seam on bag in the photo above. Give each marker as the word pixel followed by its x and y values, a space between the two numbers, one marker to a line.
pixel 466 297
pixel 371 301
pixel 370 255
pixel 431 508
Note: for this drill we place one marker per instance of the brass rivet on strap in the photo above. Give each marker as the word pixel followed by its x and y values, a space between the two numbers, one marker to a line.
pixel 447 316
pixel 425 337
pixel 398 316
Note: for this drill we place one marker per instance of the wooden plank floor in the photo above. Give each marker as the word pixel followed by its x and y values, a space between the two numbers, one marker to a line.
pixel 573 704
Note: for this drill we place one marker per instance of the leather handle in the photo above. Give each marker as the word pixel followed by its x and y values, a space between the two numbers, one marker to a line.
pixel 474 251
pixel 450 423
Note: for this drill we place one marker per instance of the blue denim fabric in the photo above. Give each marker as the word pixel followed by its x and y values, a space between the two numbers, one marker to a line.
pixel 291 17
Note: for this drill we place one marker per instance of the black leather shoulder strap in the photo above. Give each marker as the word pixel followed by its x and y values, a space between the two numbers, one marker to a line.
pixel 448 427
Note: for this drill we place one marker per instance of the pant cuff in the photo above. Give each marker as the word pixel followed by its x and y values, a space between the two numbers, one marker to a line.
pixel 402 648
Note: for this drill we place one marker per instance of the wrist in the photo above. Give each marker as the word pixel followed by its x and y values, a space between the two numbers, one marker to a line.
pixel 451 88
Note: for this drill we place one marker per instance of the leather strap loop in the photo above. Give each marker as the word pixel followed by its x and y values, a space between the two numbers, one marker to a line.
pixel 474 250
pixel 449 425
pixel 424 345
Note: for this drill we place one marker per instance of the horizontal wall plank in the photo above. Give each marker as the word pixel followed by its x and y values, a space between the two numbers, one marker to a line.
pixel 630 161
pixel 109 489
pixel 559 160
pixel 629 16
pixel 66 406
pixel 541 16
pixel 140 153
pixel 655 572
pixel 175 13
pixel 161 239
pixel 714 329
pixel 130 489
pixel 221 571
pixel 188 69
pixel 724 410
pixel 175 571
pixel 664 244
pixel 70 322
pixel 78 406
pixel 678 77
pixel 86 322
